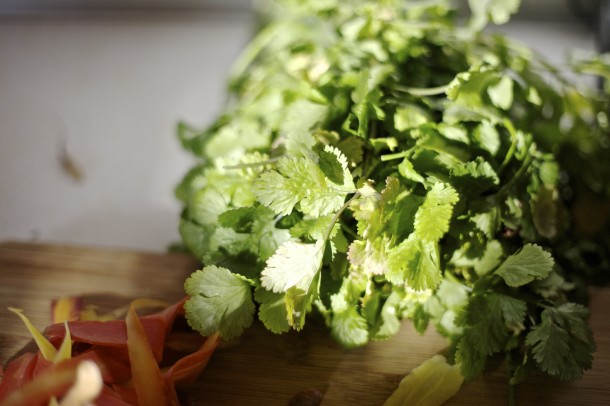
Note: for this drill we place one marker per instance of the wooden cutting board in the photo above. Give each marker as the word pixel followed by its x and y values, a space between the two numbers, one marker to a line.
pixel 262 368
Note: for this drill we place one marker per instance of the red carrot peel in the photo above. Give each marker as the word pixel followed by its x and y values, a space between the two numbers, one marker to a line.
pixel 147 378
pixel 127 354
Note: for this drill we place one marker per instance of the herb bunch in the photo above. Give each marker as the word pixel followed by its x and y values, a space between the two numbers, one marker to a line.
pixel 378 162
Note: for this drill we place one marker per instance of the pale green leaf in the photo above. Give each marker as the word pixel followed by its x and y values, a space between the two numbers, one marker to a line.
pixel 294 264
pixel 497 11
pixel 272 311
pixel 410 116
pixel 501 93
pixel 407 170
pixel 220 301
pixel 300 180
pixel 415 263
pixel 433 216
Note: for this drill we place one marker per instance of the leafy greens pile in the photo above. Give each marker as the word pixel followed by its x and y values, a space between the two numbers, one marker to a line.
pixel 378 162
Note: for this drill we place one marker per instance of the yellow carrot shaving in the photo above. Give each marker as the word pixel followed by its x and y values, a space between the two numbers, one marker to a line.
pixel 46 348
pixel 430 384
pixel 66 308
pixel 65 349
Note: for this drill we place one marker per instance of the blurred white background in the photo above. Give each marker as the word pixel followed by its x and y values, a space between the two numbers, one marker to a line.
pixel 109 83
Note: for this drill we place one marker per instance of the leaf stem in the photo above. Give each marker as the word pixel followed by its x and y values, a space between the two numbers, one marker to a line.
pixel 397 155
pixel 421 91
pixel 513 146
pixel 524 166
pixel 337 214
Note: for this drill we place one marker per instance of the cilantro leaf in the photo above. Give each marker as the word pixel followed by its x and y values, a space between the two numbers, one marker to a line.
pixel 272 311
pixel 300 118
pixel 501 94
pixel 220 301
pixel 347 325
pixel 432 218
pixel 294 264
pixel 239 219
pixel 410 116
pixel 487 137
pixel 531 262
pixel 474 176
pixel 498 11
pixel 371 255
pixel 416 263
pixel 407 170
pixel 487 320
pixel 349 328
pixel 299 302
pixel 330 165
pixel 300 180
pixel 562 344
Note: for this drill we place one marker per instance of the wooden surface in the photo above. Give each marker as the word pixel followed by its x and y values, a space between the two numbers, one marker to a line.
pixel 262 368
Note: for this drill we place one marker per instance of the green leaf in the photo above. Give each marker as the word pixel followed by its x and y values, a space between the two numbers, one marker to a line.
pixel 239 135
pixel 407 170
pixel 300 180
pixel 545 212
pixel 487 320
pixel 549 173
pixel 498 11
pixel 206 205
pixel 299 302
pixel 330 165
pixel 454 132
pixel 531 262
pixel 371 256
pixel 301 117
pixel 501 94
pixel 414 262
pixel 220 301
pixel 388 324
pixel 196 237
pixel 272 311
pixel 353 149
pixel 348 327
pixel 487 137
pixel 410 116
pixel 433 216
pixel 474 177
pixel 562 344
pixel 294 264
pixel 239 219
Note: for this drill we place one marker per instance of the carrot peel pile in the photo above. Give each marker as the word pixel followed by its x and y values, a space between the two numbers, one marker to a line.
pixel 134 361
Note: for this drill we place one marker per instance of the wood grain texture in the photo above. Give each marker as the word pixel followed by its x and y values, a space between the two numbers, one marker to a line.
pixel 262 368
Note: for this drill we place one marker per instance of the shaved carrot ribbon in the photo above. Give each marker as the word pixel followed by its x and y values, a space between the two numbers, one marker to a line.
pixel 128 354
pixel 147 379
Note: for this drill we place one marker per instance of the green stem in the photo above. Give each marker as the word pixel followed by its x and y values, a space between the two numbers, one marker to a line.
pixel 256 46
pixel 397 155
pixel 337 214
pixel 421 91
pixel 524 167
pixel 513 146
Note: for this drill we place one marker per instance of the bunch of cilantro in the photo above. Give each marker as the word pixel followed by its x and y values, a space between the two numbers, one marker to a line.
pixel 376 162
